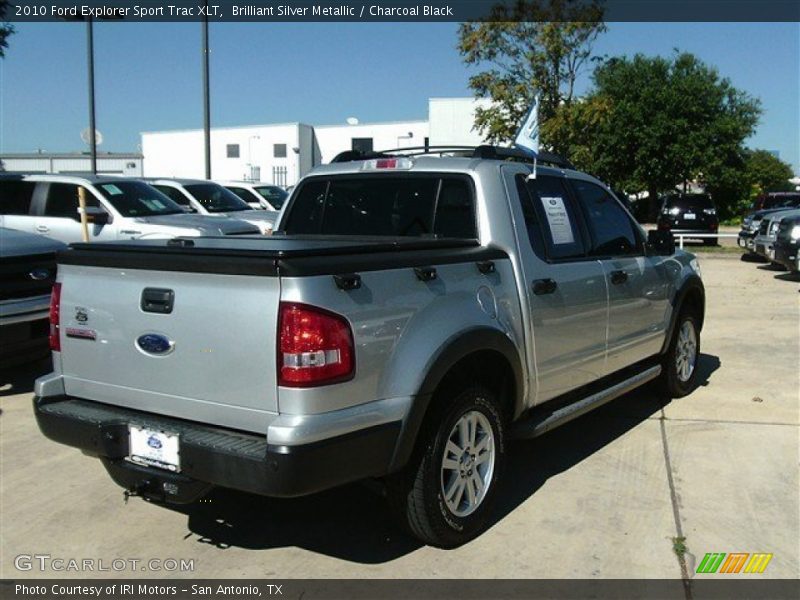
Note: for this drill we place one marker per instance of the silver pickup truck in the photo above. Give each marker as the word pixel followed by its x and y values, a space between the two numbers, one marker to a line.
pixel 410 316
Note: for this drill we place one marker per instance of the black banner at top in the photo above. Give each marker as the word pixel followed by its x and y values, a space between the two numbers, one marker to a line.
pixel 395 10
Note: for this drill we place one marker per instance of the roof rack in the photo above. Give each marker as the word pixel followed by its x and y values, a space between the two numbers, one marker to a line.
pixel 484 151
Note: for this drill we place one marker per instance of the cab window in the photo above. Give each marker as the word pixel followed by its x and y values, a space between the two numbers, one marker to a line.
pixel 432 205
pixel 15 197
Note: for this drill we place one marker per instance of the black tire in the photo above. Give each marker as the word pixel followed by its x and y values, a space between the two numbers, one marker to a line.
pixel 416 494
pixel 710 241
pixel 673 383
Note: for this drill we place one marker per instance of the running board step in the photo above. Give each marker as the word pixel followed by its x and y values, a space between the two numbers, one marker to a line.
pixel 539 424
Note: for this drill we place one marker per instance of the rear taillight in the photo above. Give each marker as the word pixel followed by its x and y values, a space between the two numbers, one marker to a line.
pixel 315 347
pixel 55 317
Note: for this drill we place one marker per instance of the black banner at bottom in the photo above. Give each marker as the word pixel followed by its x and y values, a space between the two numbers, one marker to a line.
pixel 405 589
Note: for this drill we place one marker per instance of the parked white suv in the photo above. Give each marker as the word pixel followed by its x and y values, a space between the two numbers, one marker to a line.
pixel 117 209
pixel 211 199
pixel 257 194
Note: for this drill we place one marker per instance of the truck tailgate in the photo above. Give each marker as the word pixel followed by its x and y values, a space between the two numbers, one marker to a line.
pixel 219 366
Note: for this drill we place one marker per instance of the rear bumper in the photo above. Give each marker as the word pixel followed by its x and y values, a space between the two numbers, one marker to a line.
pixel 213 456
pixel 23 310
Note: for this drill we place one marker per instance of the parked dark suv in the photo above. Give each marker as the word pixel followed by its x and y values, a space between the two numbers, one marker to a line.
pixel 787 243
pixel 688 214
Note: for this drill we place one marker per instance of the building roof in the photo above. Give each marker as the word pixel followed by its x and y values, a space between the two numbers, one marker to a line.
pixel 100 155
pixel 227 127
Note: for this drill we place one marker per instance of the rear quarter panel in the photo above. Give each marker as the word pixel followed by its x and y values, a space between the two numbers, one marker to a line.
pixel 400 325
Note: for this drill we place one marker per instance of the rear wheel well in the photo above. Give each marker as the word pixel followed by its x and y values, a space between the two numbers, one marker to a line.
pixel 485 367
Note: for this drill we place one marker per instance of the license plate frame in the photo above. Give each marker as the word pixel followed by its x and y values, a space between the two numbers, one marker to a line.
pixel 154 447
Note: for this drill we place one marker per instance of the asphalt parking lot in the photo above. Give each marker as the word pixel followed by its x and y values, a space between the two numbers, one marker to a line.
pixel 605 496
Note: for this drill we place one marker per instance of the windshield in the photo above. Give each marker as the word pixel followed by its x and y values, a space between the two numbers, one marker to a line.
pixel 787 201
pixel 137 199
pixel 246 195
pixel 216 198
pixel 273 194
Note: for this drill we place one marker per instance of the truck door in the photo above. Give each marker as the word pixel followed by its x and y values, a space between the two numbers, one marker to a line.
pixel 565 288
pixel 638 285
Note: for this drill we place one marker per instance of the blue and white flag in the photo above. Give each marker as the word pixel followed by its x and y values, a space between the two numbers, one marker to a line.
pixel 527 137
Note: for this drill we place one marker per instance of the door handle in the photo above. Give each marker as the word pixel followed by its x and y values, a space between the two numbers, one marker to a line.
pixel 544 286
pixel 157 300
pixel 618 277
pixel 42 228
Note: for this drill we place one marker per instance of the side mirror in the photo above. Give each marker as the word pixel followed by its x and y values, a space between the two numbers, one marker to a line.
pixel 660 243
pixel 96 216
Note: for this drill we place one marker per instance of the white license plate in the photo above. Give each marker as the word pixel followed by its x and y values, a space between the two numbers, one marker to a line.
pixel 154 448
pixel 690 216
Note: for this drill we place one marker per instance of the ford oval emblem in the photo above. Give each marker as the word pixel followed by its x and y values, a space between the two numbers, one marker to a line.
pixel 154 442
pixel 155 343
pixel 39 274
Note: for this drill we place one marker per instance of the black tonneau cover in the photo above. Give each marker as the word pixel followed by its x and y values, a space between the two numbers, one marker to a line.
pixel 295 255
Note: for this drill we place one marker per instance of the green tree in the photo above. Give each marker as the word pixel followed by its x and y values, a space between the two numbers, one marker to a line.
pixel 736 184
pixel 655 123
pixel 5 28
pixel 528 47
pixel 767 173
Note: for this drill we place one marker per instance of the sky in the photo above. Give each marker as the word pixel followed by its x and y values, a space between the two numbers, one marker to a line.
pixel 148 75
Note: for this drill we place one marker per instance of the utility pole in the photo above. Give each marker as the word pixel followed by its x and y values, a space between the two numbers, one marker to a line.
pixel 90 59
pixel 206 98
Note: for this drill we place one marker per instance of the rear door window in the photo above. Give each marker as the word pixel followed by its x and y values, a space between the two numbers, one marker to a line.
pixel 15 197
pixel 551 218
pixel 386 205
pixel 62 200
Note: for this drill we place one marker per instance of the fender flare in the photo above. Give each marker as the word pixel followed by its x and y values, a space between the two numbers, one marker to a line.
pixel 692 283
pixel 449 354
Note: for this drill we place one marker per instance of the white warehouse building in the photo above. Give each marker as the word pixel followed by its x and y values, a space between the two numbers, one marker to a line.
pixel 128 164
pixel 283 153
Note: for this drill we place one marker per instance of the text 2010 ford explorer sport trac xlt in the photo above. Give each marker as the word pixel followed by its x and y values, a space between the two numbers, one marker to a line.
pixel 411 315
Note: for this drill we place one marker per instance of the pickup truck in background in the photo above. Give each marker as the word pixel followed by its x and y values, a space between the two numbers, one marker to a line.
pixel 210 199
pixel 116 209
pixel 27 274
pixel 411 315
pixel 258 195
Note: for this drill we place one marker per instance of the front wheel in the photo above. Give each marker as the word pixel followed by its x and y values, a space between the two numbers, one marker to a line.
pixel 444 496
pixel 680 362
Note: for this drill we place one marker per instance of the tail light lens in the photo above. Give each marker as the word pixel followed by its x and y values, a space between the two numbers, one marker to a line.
pixel 315 347
pixel 55 317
